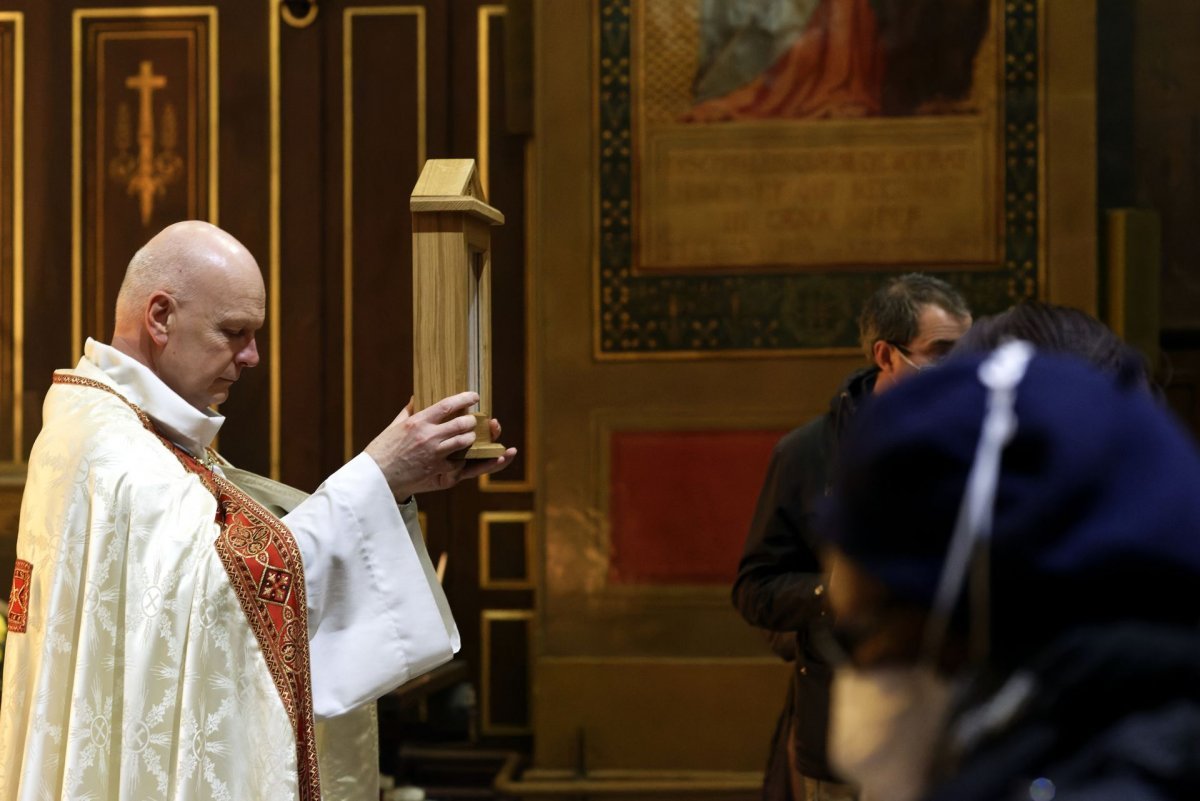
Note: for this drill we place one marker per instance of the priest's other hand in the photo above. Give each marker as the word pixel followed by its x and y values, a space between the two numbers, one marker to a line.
pixel 420 452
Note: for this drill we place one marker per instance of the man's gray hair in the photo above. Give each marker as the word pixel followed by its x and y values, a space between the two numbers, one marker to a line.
pixel 892 313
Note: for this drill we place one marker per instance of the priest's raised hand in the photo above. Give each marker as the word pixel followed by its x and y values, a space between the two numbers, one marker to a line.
pixel 421 451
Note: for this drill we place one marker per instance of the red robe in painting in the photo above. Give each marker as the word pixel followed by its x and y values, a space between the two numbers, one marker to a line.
pixel 834 69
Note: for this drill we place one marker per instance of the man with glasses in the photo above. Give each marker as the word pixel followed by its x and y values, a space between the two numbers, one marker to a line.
pixel 910 323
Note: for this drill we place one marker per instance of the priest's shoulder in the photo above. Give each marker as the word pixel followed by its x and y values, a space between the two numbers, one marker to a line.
pixel 102 428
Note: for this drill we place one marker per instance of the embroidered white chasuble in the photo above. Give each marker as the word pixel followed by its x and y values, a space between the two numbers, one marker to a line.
pixel 141 674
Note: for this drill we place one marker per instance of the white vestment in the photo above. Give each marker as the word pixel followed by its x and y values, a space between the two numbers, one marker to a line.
pixel 139 674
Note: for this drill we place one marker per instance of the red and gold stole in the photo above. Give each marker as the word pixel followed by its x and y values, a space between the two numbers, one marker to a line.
pixel 265 569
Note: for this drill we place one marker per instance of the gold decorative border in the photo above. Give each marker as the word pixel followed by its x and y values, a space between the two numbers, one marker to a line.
pixel 486 582
pixel 155 12
pixel 348 16
pixel 487 616
pixel 483 118
pixel 284 643
pixel 17 18
pixel 488 483
pixel 484 16
pixel 274 266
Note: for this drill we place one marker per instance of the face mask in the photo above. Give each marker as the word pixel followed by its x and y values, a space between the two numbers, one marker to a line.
pixel 885 721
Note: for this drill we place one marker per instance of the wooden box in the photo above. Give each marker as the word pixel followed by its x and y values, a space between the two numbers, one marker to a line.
pixel 452 302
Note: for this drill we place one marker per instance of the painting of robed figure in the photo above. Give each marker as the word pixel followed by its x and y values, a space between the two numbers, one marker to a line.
pixel 814 59
pixel 805 134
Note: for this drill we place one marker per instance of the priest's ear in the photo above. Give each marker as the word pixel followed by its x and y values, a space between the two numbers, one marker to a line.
pixel 160 316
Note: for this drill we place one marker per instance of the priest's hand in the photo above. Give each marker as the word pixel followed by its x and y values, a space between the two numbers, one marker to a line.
pixel 422 451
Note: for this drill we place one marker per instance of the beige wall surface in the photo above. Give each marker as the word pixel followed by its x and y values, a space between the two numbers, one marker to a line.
pixel 617 662
pixel 1069 152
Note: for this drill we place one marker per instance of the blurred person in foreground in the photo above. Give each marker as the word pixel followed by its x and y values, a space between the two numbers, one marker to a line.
pixel 1017 546
pixel 910 323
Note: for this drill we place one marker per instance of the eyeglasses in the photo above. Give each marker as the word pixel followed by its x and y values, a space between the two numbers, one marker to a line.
pixel 905 353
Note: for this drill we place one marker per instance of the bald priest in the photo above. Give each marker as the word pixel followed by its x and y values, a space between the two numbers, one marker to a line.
pixel 181 629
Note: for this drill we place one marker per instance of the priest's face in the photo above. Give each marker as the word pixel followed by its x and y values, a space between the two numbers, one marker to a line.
pixel 212 333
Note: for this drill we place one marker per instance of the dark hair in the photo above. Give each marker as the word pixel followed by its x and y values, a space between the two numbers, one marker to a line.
pixel 892 313
pixel 1059 329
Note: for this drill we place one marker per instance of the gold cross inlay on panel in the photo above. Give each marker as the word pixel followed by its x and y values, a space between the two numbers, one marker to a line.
pixel 148 175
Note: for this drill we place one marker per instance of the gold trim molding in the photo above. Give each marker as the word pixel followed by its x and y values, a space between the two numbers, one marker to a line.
pixel 483 121
pixel 486 519
pixel 483 87
pixel 274 269
pixel 488 616
pixel 17 18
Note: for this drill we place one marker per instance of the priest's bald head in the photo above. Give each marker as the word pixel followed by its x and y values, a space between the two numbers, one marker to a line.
pixel 189 308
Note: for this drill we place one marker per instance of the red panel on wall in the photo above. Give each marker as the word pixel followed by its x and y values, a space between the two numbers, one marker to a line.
pixel 681 502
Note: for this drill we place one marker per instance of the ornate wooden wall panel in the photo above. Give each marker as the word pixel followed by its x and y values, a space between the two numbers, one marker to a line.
pixel 299 235
pixel 243 176
pixel 47 174
pixel 505 684
pixel 362 96
pixel 385 125
pixel 359 100
pixel 145 105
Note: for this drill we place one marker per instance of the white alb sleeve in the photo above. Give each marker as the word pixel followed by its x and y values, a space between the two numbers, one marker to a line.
pixel 377 616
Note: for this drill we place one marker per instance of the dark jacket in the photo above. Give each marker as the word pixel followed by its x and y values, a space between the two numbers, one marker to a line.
pixel 780 586
pixel 1108 714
